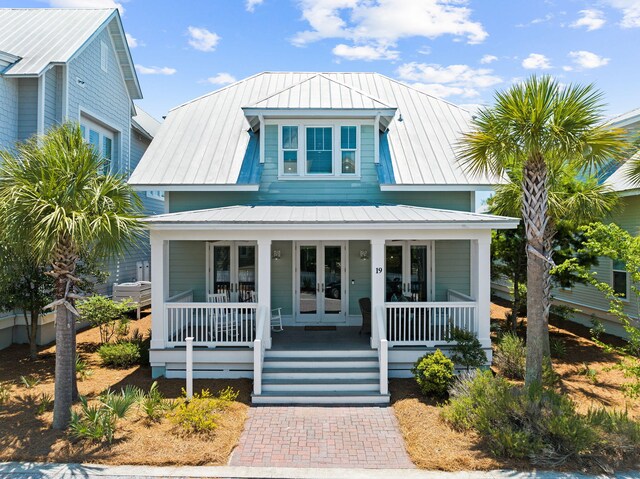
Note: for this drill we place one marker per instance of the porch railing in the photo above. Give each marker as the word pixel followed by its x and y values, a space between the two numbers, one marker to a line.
pixel 383 349
pixel 211 324
pixel 453 295
pixel 259 346
pixel 426 324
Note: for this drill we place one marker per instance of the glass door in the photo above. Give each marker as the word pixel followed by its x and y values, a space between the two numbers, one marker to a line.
pixel 221 270
pixel 232 271
pixel 308 284
pixel 419 271
pixel 409 271
pixel 332 282
pixel 245 286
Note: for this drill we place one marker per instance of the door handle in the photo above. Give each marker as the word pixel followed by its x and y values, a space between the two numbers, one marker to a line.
pixel 317 287
pixel 322 287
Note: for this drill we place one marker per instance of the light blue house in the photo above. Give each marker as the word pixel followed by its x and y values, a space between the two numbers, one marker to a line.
pixel 330 203
pixel 74 64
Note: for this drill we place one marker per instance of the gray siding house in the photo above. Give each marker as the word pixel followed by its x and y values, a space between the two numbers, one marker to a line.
pixel 74 64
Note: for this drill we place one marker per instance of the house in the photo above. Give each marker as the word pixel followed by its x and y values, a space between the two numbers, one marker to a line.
pixel 586 300
pixel 74 64
pixel 314 194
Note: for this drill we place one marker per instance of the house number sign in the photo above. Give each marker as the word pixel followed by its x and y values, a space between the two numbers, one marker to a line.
pixel 378 270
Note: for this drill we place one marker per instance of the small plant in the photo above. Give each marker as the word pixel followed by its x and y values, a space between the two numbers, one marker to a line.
pixel 562 312
pixel 467 350
pixel 434 374
pixel 95 423
pixel 44 404
pixel 510 356
pixel 82 369
pixel 590 373
pixel 153 404
pixel 201 413
pixel 108 315
pixel 119 355
pixel 597 328
pixel 558 348
pixel 143 342
pixel 121 403
pixel 5 393
pixel 30 381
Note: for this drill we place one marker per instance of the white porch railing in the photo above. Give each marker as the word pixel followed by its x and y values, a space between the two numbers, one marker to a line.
pixel 210 324
pixel 383 349
pixel 259 346
pixel 457 296
pixel 426 324
pixel 183 297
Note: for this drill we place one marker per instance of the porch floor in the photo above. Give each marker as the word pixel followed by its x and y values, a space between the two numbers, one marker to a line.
pixel 344 338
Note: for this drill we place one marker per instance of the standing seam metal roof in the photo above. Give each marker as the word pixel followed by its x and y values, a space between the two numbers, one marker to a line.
pixel 203 142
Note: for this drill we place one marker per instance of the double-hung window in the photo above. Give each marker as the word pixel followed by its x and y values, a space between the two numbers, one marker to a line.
pixel 290 150
pixel 620 279
pixel 319 150
pixel 102 141
pixel 348 147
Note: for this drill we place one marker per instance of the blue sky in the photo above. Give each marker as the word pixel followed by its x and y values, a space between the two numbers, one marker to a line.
pixel 456 49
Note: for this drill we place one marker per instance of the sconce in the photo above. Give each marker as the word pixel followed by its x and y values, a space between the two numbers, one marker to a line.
pixel 364 254
pixel 276 254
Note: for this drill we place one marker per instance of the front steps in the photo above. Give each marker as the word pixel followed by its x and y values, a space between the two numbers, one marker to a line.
pixel 321 377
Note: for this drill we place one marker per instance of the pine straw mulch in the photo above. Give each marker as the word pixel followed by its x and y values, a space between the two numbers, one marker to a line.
pixel 24 436
pixel 432 444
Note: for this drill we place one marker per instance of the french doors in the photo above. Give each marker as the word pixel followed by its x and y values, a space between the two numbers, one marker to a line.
pixel 232 270
pixel 409 271
pixel 320 288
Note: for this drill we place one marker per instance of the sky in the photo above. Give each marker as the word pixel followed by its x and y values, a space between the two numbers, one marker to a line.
pixel 460 50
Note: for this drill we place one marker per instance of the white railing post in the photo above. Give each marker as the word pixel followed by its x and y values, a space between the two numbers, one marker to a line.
pixel 189 368
pixel 383 352
pixel 483 290
pixel 159 332
pixel 377 287
pixel 257 367
pixel 264 282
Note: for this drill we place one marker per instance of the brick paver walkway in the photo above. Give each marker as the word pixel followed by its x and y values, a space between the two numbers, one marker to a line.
pixel 366 437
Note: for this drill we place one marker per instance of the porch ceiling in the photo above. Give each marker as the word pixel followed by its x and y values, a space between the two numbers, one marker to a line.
pixel 309 215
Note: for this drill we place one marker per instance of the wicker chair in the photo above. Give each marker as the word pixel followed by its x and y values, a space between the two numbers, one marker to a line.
pixel 365 310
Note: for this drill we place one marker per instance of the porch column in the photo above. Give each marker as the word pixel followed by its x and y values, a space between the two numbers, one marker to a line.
pixel 483 287
pixel 159 290
pixel 377 286
pixel 264 282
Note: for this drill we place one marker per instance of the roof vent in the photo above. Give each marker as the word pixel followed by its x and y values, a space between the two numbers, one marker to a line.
pixel 400 119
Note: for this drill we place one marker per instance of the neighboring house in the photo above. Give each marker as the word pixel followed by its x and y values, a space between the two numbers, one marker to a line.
pixel 74 64
pixel 314 194
pixel 587 300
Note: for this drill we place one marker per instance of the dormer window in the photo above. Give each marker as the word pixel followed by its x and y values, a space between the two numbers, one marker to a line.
pixel 318 150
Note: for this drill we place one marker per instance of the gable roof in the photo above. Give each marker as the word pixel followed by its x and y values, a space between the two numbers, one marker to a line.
pixel 203 142
pixel 145 123
pixel 40 37
pixel 619 181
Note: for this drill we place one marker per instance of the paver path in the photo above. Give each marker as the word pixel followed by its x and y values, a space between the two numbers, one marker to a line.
pixel 366 437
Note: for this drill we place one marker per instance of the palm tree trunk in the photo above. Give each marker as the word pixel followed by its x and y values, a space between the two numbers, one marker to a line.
pixel 534 212
pixel 65 364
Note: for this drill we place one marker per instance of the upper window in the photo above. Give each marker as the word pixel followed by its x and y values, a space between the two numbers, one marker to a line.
pixel 101 139
pixel 620 279
pixel 314 151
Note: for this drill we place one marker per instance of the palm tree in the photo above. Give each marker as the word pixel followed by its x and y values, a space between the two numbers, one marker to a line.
pixel 533 127
pixel 54 198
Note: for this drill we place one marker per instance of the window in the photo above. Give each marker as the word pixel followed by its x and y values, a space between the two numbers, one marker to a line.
pixel 319 150
pixel 102 141
pixel 156 195
pixel 104 56
pixel 348 145
pixel 620 279
pixel 106 154
pixel 290 150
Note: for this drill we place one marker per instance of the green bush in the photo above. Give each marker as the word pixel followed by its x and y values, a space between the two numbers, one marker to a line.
pixel 434 374
pixel 82 369
pixel 95 423
pixel 120 355
pixel 30 381
pixel 558 348
pixel 511 356
pixel 201 413
pixel 153 404
pixel 45 403
pixel 108 315
pixel 121 403
pixel 535 423
pixel 467 350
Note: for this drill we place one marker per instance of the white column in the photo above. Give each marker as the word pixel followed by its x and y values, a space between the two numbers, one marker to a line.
pixel 483 288
pixel 158 290
pixel 377 286
pixel 264 281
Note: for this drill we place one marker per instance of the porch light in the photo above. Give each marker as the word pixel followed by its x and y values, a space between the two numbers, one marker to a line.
pixel 364 254
pixel 276 254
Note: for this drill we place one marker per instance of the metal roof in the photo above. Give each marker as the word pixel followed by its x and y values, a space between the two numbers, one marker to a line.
pixel 145 123
pixel 619 180
pixel 203 142
pixel 322 214
pixel 45 36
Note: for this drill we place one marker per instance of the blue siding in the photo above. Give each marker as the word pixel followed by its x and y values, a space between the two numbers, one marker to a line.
pixel 8 112
pixel 27 108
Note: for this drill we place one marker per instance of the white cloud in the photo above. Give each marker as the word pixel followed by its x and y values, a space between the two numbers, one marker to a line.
pixel 536 61
pixel 364 52
pixel 251 5
pixel 630 12
pixel 132 41
pixel 381 24
pixel 425 50
pixel 221 78
pixel 587 60
pixel 591 19
pixel 443 81
pixel 486 59
pixel 202 39
pixel 155 70
pixel 87 4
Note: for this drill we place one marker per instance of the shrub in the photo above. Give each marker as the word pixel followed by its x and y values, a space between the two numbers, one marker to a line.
pixel 510 356
pixel 108 315
pixel 597 328
pixel 5 392
pixel 143 342
pixel 153 404
pixel 201 413
pixel 82 369
pixel 434 374
pixel 121 403
pixel 95 423
pixel 30 381
pixel 558 348
pixel 119 355
pixel 45 404
pixel 590 373
pixel 467 352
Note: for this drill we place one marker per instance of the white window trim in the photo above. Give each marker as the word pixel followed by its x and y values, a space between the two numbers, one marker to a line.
pixel 628 281
pixel 155 195
pixel 302 125
pixel 90 124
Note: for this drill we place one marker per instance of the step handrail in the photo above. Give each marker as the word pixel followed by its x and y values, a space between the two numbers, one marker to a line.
pixel 259 346
pixel 383 348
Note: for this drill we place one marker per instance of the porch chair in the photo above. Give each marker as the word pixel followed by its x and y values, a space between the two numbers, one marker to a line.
pixel 365 310
pixel 217 298
pixel 223 328
pixel 276 320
